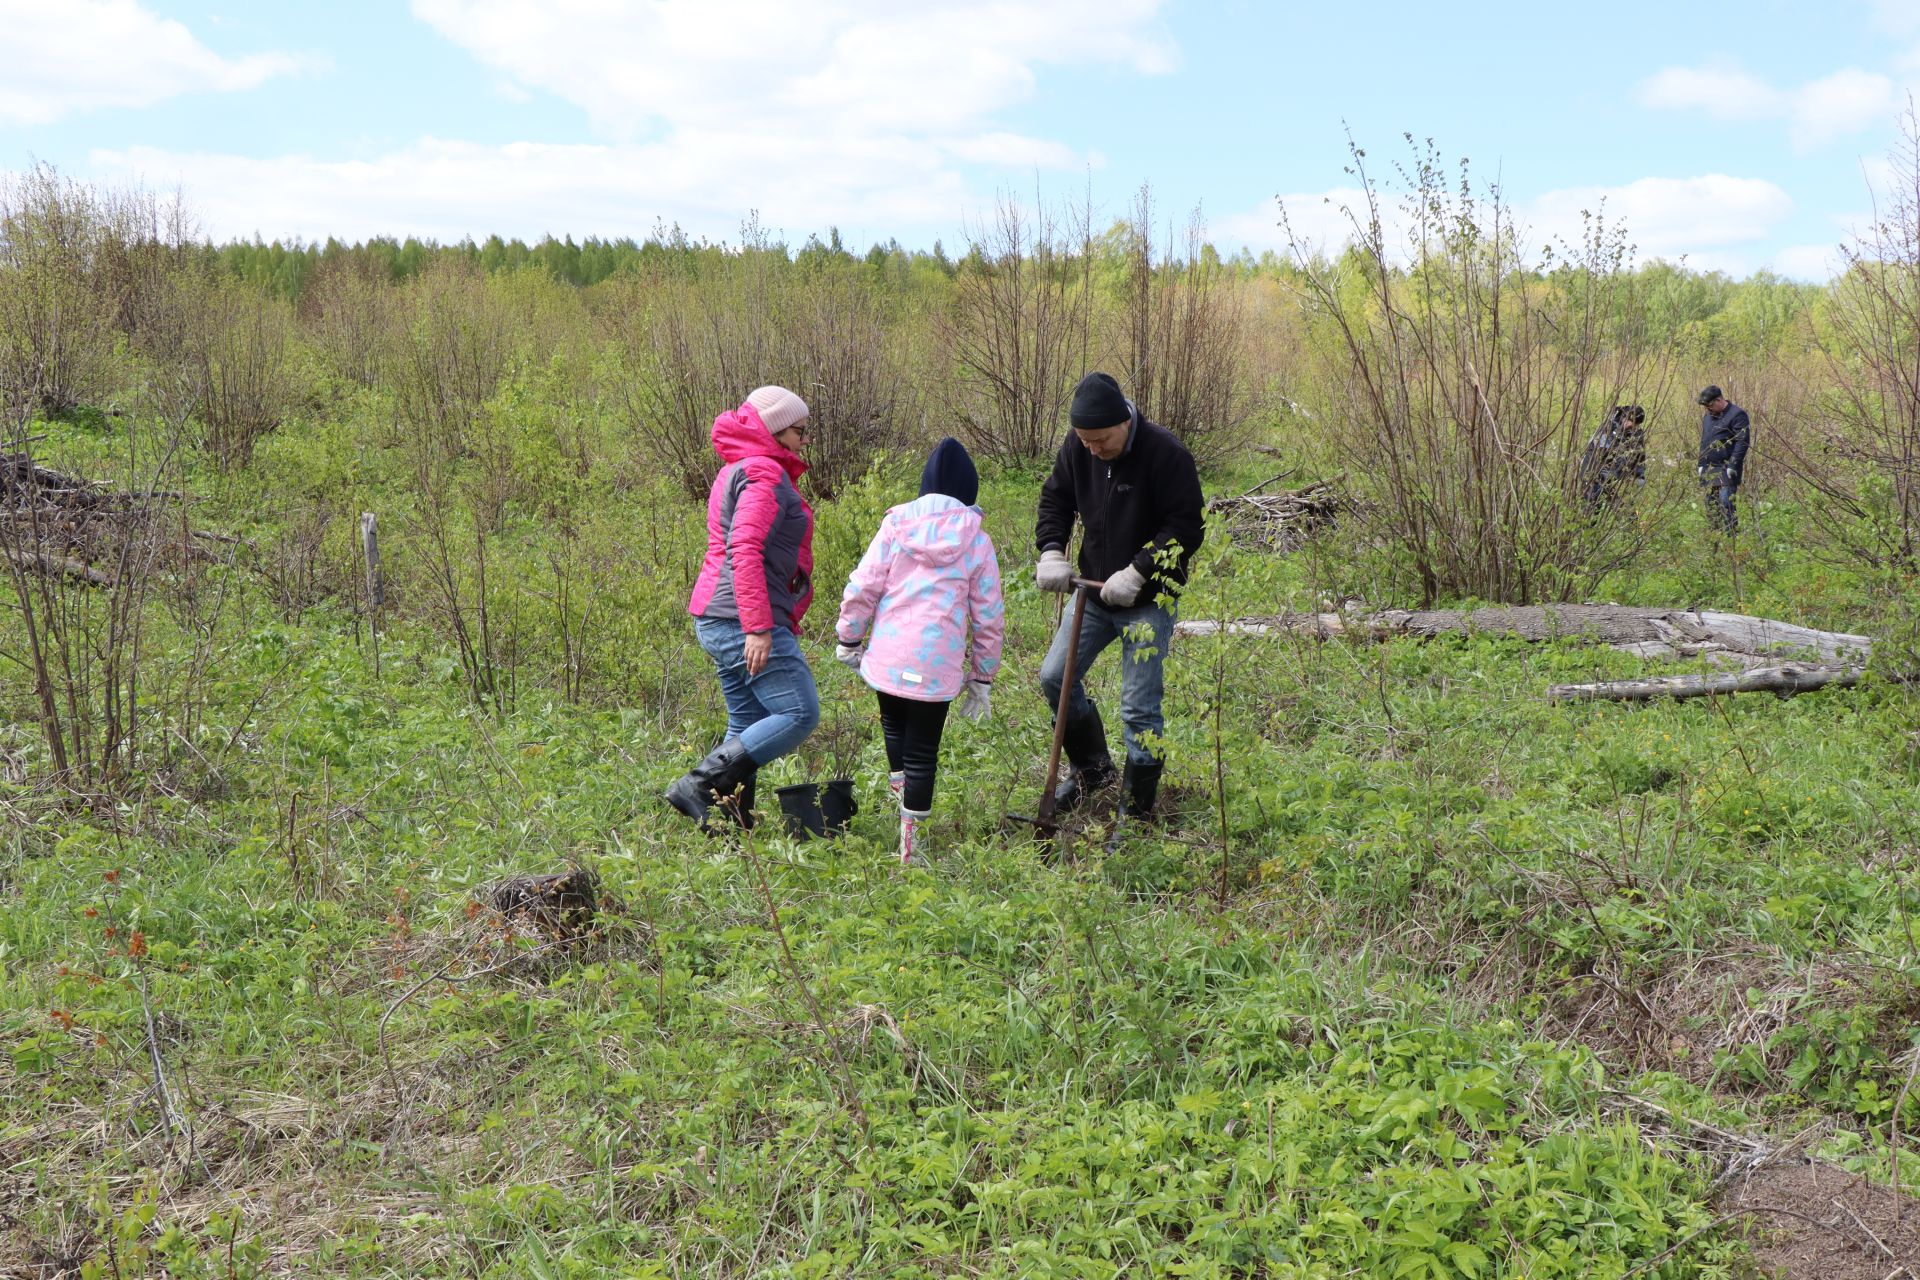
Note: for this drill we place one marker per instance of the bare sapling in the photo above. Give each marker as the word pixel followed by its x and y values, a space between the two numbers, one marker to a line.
pixel 1181 334
pixel 1857 446
pixel 1018 330
pixel 459 349
pixel 1463 379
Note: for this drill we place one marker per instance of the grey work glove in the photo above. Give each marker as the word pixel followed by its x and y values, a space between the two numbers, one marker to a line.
pixel 1123 588
pixel 849 654
pixel 976 703
pixel 1053 572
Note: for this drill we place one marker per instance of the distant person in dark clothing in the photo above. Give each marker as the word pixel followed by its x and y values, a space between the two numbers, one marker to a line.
pixel 1724 436
pixel 1616 454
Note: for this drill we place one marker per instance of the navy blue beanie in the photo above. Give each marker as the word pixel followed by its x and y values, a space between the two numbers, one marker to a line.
pixel 949 470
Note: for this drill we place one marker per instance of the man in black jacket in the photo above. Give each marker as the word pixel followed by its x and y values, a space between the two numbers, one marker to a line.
pixel 1724 436
pixel 1137 494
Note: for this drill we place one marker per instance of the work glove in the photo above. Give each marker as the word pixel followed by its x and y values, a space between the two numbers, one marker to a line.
pixel 1700 472
pixel 1054 573
pixel 848 654
pixel 1123 588
pixel 976 703
pixel 1733 478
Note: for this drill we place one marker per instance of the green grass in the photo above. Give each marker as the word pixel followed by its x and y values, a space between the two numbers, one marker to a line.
pixel 1460 923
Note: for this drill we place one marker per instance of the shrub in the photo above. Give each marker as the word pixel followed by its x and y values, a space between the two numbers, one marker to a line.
pixel 1463 381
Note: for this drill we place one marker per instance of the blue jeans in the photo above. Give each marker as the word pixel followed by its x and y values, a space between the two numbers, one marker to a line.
pixel 1721 514
pixel 773 712
pixel 1143 632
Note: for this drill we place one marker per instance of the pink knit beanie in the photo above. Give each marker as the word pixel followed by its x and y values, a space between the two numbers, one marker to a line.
pixel 779 408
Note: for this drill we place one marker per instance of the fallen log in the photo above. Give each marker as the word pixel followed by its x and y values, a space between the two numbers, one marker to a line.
pixel 58 566
pixel 1649 632
pixel 1785 680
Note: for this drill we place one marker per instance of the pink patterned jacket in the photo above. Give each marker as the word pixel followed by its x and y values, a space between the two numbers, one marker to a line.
pixel 928 594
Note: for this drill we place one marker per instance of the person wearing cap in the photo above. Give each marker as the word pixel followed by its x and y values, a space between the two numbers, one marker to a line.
pixel 921 621
pixel 753 590
pixel 1136 493
pixel 1724 436
pixel 1615 454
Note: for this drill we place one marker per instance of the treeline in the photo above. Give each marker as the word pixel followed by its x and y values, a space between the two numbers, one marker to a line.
pixel 1710 311
pixel 286 267
pixel 1449 373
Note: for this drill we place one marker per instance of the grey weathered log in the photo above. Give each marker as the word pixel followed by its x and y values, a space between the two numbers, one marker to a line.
pixel 1784 679
pixel 1647 631
pixel 59 566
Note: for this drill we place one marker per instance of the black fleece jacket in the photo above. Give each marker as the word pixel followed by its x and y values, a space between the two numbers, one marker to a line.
pixel 1724 437
pixel 1144 508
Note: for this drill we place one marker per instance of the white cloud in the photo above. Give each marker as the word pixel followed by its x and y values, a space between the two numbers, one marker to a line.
pixel 1722 92
pixel 1013 151
pixel 451 189
pixel 1713 220
pixel 1845 102
pixel 80 55
pixel 1670 217
pixel 1818 263
pixel 942 67
pixel 1816 112
pixel 865 114
pixel 1315 220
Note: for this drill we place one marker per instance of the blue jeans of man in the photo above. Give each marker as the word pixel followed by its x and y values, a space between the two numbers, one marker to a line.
pixel 1719 496
pixel 1144 632
pixel 773 712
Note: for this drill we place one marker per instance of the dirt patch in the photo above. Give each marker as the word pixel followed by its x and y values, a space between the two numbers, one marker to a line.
pixel 1692 1018
pixel 1808 1220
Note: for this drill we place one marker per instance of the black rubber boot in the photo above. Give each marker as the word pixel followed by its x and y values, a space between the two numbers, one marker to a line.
pixel 724 769
pixel 738 807
pixel 1142 788
pixel 1092 768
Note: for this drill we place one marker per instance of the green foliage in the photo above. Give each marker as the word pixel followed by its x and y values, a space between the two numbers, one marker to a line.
pixel 1362 1005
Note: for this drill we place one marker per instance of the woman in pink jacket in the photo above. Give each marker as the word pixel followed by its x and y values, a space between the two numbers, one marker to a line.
pixel 753 591
pixel 921 622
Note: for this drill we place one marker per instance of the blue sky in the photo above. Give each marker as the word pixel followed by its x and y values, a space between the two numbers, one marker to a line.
pixel 1743 136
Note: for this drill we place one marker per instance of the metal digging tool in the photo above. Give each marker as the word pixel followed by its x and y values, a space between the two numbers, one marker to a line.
pixel 1042 820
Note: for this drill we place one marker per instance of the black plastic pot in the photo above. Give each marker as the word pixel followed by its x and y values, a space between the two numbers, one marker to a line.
pixel 800 810
pixel 838 806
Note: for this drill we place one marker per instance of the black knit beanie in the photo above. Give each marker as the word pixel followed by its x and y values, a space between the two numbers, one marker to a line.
pixel 950 470
pixel 1098 404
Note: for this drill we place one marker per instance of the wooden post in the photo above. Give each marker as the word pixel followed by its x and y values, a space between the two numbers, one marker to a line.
pixel 376 589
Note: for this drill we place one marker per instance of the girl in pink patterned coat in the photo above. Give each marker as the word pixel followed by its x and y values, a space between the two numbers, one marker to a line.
pixel 921 621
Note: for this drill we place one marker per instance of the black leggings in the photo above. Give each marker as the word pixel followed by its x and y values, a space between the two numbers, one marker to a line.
pixel 912 731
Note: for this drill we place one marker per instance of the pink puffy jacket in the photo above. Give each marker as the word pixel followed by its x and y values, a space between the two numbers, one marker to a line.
pixel 759 562
pixel 929 578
